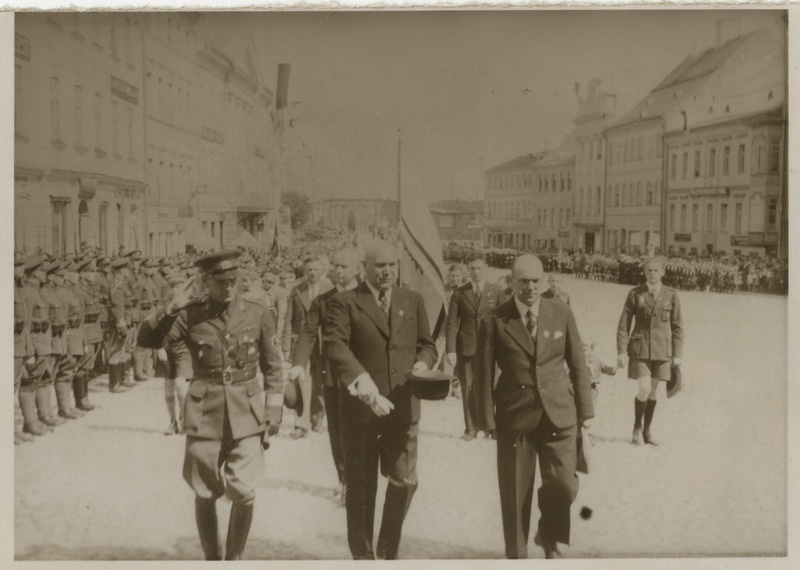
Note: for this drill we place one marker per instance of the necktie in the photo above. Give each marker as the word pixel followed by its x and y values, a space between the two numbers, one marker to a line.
pixel 477 291
pixel 383 301
pixel 531 325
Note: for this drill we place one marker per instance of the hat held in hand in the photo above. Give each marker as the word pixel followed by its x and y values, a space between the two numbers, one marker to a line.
pixel 292 396
pixel 429 384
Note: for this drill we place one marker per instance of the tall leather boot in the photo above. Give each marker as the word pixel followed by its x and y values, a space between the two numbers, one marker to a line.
pixel 205 515
pixel 238 530
pixel 115 378
pixel 44 402
pixel 398 499
pixel 83 391
pixel 65 409
pixel 19 435
pixel 31 423
pixel 127 374
pixel 649 410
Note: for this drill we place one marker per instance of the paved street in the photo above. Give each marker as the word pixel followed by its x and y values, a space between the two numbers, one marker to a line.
pixel 108 486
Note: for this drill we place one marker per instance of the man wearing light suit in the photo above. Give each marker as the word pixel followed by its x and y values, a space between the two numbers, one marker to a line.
pixel 468 304
pixel 536 407
pixel 374 335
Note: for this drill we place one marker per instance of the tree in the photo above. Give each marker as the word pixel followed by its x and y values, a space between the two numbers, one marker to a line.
pixel 298 205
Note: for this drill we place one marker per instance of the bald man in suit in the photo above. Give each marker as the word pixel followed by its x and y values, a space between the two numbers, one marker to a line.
pixel 536 407
pixel 373 336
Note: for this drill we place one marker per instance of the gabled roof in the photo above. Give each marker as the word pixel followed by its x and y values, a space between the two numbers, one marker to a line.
pixel 521 162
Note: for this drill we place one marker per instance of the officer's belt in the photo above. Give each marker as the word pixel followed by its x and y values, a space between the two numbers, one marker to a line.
pixel 218 376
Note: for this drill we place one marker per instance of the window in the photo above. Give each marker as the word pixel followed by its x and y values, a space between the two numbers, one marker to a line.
pixel 546 183
pixel 561 176
pixel 658 193
pixel 102 226
pixel 710 218
pixel 772 214
pixel 616 195
pixel 685 166
pixel 774 157
pixel 726 160
pixel 115 128
pixel 673 166
pixel 120 226
pixel 569 182
pixel 697 164
pixel 723 218
pixel 598 200
pixel 672 217
pixel 553 220
pixel 712 162
pixel 740 163
pixel 130 132
pixel 55 111
pixel 98 121
pixel 695 216
pixel 540 183
pixel 580 201
pixel 638 193
pixel 649 198
pixel 737 220
pixel 59 226
pixel 683 217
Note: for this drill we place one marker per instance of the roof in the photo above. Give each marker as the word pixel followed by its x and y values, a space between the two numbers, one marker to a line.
pixel 741 65
pixel 519 163
pixel 564 152
pixel 458 206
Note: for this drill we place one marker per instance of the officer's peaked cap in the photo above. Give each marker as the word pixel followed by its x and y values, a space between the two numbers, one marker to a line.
pixel 220 264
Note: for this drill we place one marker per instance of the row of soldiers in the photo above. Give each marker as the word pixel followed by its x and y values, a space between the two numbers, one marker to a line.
pixel 74 318
pixel 720 274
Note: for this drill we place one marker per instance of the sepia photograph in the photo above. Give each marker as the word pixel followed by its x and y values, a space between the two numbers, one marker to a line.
pixel 418 285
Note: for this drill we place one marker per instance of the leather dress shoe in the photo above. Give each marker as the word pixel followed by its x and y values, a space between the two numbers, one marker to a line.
pixel 550 547
pixel 637 436
pixel 469 435
pixel 298 433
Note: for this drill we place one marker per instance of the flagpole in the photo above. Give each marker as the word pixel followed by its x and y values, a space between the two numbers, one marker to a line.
pixel 399 164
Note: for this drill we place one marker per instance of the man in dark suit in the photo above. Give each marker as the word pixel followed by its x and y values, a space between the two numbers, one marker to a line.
pixel 374 335
pixel 654 344
pixel 296 313
pixel 308 347
pixel 468 305
pixel 536 407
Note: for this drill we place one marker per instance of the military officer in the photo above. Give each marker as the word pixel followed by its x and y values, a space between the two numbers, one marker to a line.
pixel 119 323
pixel 34 390
pixel 653 345
pixel 148 296
pixel 102 290
pixel 61 364
pixel 555 291
pixel 226 420
pixel 90 310
pixel 67 386
pixel 23 347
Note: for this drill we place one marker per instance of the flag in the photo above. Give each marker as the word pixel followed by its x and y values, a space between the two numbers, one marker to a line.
pixel 422 266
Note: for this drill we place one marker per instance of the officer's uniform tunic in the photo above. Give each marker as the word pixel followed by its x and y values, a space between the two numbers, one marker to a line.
pixel 225 414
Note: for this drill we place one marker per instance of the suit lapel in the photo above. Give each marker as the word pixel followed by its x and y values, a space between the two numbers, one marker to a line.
pixel 305 296
pixel 366 302
pixel 516 328
pixel 398 310
pixel 469 294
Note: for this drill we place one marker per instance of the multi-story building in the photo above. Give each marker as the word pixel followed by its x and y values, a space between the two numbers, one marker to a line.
pixel 79 174
pixel 704 88
pixel 553 178
pixel 509 192
pixel 459 220
pixel 155 139
pixel 355 214
pixel 725 162
pixel 596 110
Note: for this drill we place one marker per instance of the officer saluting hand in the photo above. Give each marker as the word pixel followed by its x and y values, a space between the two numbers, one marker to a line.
pixel 225 338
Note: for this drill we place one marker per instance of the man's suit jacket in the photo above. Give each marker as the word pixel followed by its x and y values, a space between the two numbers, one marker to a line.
pixel 308 346
pixel 658 328
pixel 532 380
pixel 297 309
pixel 358 337
pixel 464 315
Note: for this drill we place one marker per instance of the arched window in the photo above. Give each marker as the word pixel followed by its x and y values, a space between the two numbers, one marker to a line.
pixel 134 241
pixel 59 226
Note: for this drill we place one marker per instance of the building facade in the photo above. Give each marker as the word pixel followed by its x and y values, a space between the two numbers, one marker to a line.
pixel 554 176
pixel 509 191
pixel 354 214
pixel 133 131
pixel 459 220
pixel 79 174
pixel 596 110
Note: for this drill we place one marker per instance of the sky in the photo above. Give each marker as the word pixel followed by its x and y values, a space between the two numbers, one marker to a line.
pixel 467 90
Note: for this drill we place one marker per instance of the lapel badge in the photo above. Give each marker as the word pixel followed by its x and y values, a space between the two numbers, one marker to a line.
pixel 546 334
pixel 558 334
pixel 400 312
